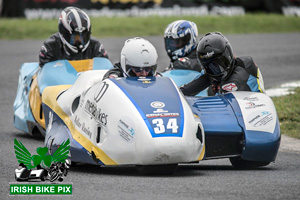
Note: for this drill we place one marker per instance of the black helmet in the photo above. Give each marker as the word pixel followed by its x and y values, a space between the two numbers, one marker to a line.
pixel 74 29
pixel 215 54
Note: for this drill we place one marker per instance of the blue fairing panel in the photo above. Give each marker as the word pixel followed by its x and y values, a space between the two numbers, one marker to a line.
pixel 226 134
pixel 258 145
pixel 22 112
pixel 181 77
pixel 155 102
pixel 222 130
pixel 216 114
pixel 61 72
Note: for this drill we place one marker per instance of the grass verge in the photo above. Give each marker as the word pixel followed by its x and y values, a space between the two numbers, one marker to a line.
pixel 153 26
pixel 288 110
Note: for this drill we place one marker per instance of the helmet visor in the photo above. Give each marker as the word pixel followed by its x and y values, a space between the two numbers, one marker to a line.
pixel 215 67
pixel 77 39
pixel 150 70
pixel 172 44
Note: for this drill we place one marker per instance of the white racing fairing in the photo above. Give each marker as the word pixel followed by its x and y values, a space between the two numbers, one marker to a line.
pixel 138 121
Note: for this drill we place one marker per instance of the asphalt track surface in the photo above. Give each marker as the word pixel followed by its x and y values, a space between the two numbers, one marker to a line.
pixel 277 55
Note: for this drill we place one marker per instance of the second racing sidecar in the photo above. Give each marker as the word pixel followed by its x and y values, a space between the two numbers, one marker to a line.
pixel 28 112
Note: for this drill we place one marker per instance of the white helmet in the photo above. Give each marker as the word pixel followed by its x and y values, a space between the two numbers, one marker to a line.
pixel 138 53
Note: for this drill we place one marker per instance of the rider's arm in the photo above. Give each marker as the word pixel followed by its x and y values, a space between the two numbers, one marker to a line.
pixel 50 51
pixel 46 55
pixel 194 87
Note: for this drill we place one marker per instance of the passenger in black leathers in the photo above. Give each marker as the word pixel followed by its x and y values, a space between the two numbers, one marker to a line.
pixel 180 43
pixel 73 41
pixel 223 71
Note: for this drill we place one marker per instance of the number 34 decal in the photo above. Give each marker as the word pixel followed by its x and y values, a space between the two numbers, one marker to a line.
pixel 160 126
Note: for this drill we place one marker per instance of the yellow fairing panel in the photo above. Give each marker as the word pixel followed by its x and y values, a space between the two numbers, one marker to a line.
pixel 49 98
pixel 35 102
pixel 82 65
pixel 202 154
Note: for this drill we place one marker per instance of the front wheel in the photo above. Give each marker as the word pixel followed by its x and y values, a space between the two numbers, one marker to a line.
pixel 239 163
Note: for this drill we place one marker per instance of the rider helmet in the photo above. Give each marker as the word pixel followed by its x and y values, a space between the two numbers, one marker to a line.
pixel 74 28
pixel 215 54
pixel 180 38
pixel 138 54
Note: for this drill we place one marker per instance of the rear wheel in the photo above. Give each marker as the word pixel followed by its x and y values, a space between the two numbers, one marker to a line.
pixel 157 169
pixel 239 163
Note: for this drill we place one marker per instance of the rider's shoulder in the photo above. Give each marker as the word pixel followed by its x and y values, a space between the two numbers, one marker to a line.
pixel 94 40
pixel 248 63
pixel 53 41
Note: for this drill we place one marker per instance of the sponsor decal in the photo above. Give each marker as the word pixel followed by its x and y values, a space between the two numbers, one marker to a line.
pixel 157 104
pixel 126 131
pixel 159 110
pixel 82 126
pixel 251 105
pixel 182 59
pixel 207 55
pixel 96 113
pixel 230 87
pixel 261 118
pixel 144 79
pixel 251 98
pixel 162 115
pixel 80 29
pixel 100 91
pixel 58 64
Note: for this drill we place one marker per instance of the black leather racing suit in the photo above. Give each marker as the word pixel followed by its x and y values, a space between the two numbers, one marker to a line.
pixel 245 76
pixel 114 72
pixel 53 49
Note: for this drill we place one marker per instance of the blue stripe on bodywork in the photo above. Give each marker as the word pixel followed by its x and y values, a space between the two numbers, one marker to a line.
pixel 142 93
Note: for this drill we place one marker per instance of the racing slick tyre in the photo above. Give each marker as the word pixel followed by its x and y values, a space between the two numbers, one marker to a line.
pixel 157 169
pixel 239 163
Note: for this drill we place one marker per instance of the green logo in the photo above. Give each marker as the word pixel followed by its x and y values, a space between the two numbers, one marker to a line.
pixel 48 167
pixel 24 156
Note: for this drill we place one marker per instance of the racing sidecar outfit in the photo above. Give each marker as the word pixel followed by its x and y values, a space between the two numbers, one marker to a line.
pixel 53 49
pixel 245 76
pixel 188 62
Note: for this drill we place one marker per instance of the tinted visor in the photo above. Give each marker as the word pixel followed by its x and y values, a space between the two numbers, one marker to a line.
pixel 140 69
pixel 215 67
pixel 151 69
pixel 77 39
pixel 173 44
